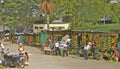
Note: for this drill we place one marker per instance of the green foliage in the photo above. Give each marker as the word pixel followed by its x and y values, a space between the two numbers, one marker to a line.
pixel 85 11
pixel 103 28
pixel 115 9
pixel 78 12
pixel 16 12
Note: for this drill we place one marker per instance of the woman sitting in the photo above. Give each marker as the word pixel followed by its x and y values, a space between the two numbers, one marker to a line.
pixel 26 58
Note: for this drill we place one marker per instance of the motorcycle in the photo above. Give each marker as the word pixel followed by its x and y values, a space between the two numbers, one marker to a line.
pixel 13 61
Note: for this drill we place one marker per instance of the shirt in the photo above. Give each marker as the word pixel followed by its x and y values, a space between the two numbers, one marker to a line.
pixel 56 44
pixel 2 46
pixel 116 55
pixel 21 48
pixel 87 47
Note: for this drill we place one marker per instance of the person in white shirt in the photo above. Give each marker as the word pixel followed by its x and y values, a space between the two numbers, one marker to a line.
pixel 85 51
pixel 2 48
pixel 57 49
pixel 65 50
pixel 21 49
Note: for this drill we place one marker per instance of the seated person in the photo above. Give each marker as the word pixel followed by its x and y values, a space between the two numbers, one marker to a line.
pixel 20 49
pixel 26 58
pixel 116 55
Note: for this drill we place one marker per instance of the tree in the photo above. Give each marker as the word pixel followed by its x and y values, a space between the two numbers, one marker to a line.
pixel 14 12
pixel 115 9
pixel 82 12
pixel 47 6
pixel 79 13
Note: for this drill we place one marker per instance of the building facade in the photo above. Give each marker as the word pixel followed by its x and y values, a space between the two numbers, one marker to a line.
pixel 52 27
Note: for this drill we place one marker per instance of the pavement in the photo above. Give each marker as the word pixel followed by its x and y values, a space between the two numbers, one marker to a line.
pixel 38 60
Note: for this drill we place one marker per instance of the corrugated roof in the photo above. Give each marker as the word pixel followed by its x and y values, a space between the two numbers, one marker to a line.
pixel 2 29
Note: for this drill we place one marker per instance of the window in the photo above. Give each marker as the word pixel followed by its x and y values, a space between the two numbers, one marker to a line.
pixel 40 27
pixel 36 27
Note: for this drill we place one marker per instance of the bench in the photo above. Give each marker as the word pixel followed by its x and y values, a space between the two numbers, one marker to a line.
pixel 47 49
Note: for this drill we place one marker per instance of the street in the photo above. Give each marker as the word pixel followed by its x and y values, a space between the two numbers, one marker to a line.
pixel 38 60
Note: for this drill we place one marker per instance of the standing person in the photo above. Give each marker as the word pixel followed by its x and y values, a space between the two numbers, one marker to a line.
pixel 21 49
pixel 65 49
pixel 30 41
pixel 50 41
pixel 80 48
pixel 85 51
pixel 66 45
pixel 93 48
pixel 2 48
pixel 57 49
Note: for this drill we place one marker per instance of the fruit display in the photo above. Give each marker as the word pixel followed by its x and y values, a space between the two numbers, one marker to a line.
pixel 105 42
pixel 74 40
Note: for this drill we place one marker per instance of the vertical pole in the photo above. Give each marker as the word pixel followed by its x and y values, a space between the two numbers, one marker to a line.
pixel 3 29
pixel 104 11
pixel 48 21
